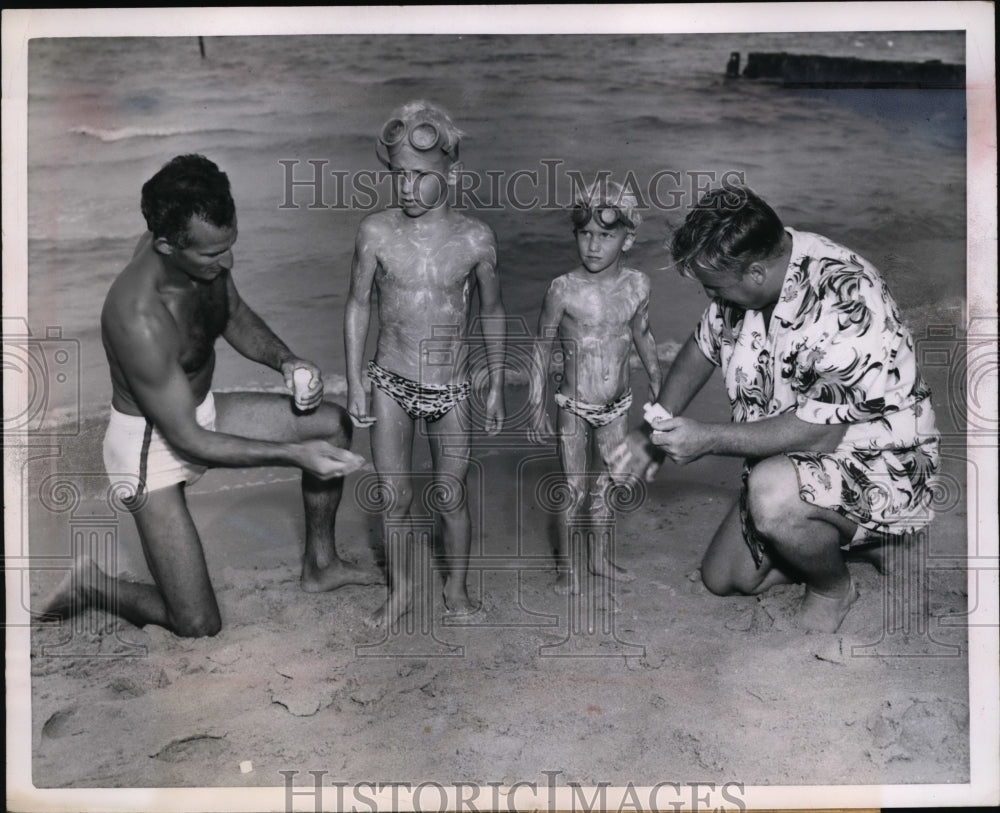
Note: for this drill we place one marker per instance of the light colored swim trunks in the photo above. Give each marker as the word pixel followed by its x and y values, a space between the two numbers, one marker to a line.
pixel 135 451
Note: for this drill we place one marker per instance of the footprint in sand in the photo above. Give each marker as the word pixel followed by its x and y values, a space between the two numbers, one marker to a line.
pixel 299 704
pixel 196 748
pixel 228 655
pixel 125 688
pixel 61 724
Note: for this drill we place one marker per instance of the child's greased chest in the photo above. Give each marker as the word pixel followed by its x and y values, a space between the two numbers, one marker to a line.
pixel 423 271
pixel 602 308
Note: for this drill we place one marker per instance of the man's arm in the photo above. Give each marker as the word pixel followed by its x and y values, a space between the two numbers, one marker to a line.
pixel 540 429
pixel 493 319
pixel 685 440
pixel 146 346
pixel 251 337
pixel 645 344
pixel 357 316
pixel 685 378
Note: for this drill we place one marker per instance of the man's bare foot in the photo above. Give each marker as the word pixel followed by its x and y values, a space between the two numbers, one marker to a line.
pixel 567 582
pixel 73 592
pixel 824 613
pixel 607 569
pixel 336 574
pixel 394 608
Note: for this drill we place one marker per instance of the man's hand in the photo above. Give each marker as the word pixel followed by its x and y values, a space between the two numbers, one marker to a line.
pixel 655 414
pixel 540 430
pixel 326 460
pixel 357 407
pixel 495 412
pixel 683 439
pixel 634 457
pixel 304 381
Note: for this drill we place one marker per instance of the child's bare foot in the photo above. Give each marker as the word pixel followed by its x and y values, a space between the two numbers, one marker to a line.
pixel 463 606
pixel 456 599
pixel 824 613
pixel 70 597
pixel 336 574
pixel 607 569
pixel 567 582
pixel 394 608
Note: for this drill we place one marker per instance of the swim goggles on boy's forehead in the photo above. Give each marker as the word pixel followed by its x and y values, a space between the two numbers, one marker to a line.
pixel 606 216
pixel 423 135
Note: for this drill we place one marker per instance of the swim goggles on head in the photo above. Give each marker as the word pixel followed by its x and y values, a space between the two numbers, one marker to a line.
pixel 606 216
pixel 423 135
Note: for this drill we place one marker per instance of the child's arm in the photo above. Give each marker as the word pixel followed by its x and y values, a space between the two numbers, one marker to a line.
pixel 357 315
pixel 540 428
pixel 645 344
pixel 493 319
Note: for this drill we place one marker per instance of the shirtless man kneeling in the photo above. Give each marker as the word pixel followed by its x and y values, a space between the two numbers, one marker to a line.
pixel 159 325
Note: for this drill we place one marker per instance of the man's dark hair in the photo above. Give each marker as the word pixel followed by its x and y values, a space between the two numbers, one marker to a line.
pixel 187 186
pixel 727 230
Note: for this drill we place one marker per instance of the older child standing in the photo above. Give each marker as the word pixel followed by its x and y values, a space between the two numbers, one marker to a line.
pixel 425 260
pixel 598 311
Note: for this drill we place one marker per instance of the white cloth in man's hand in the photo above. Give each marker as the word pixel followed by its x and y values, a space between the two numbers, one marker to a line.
pixel 637 456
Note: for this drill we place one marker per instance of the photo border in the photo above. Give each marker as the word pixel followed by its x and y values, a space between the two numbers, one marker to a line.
pixel 976 18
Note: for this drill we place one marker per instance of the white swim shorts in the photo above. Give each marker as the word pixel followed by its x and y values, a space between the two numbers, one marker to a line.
pixel 139 457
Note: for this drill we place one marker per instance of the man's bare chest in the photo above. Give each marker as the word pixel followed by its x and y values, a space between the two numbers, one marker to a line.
pixel 200 315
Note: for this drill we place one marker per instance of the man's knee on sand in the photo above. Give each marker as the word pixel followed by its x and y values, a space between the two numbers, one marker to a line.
pixel 773 501
pixel 732 575
pixel 197 624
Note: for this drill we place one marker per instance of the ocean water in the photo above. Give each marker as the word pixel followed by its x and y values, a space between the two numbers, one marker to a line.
pixel 882 171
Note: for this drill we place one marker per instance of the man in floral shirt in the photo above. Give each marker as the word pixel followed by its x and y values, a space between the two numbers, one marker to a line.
pixel 829 409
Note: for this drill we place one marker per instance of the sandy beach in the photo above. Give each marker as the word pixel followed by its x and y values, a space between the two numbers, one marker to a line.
pixel 676 682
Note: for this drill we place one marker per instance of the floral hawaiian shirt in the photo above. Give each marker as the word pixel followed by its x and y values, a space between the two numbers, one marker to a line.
pixel 835 352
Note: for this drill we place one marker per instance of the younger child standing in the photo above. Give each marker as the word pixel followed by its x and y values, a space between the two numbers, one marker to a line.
pixel 598 311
